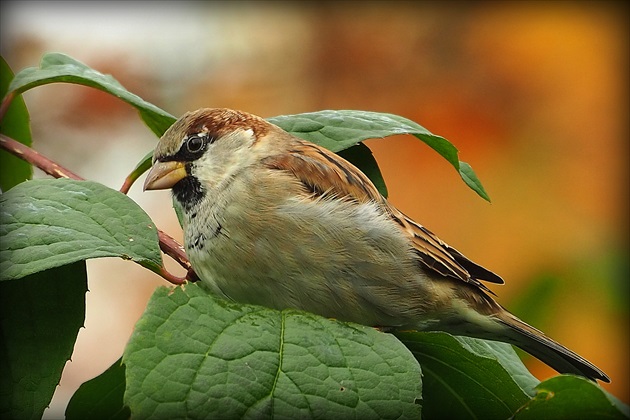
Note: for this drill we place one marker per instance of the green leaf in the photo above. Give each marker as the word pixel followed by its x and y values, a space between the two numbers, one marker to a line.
pixel 572 397
pixel 470 178
pixel 55 68
pixel 338 130
pixel 361 156
pixel 15 124
pixel 101 397
pixel 195 356
pixel 48 223
pixel 142 166
pixel 40 318
pixel 463 379
pixel 507 356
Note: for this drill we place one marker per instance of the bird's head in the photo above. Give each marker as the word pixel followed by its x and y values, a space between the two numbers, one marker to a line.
pixel 205 148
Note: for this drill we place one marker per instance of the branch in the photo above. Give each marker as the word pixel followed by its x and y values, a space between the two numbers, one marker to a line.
pixel 168 245
pixel 35 158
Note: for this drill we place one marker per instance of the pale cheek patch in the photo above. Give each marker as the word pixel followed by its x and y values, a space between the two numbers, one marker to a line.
pixel 225 158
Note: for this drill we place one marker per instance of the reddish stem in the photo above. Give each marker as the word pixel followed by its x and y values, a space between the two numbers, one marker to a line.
pixel 42 162
pixel 126 186
pixel 174 249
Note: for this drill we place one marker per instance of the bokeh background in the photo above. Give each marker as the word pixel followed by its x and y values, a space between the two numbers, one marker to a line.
pixel 533 94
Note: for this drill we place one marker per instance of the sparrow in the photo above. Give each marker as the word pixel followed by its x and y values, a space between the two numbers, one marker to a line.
pixel 274 220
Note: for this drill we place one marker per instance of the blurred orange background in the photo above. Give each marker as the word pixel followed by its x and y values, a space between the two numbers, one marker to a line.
pixel 533 94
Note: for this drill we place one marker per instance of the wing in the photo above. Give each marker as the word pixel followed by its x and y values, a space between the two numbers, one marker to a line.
pixel 323 172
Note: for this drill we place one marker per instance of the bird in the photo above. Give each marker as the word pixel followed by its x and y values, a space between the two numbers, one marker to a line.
pixel 274 220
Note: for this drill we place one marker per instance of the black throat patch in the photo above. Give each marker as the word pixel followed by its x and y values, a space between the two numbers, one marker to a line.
pixel 188 192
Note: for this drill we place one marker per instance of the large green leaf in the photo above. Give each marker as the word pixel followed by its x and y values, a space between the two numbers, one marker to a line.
pixel 55 68
pixel 48 223
pixel 101 397
pixel 194 356
pixel 572 397
pixel 40 318
pixel 15 124
pixel 463 378
pixel 338 130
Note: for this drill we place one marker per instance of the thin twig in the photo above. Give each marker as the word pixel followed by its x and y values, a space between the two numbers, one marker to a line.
pixel 171 278
pixel 174 249
pixel 168 245
pixel 35 158
pixel 126 186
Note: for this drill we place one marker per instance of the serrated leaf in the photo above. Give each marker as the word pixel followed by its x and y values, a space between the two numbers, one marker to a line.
pixel 56 67
pixel 194 356
pixel 338 130
pixel 101 397
pixel 463 379
pixel 40 318
pixel 572 397
pixel 15 124
pixel 48 223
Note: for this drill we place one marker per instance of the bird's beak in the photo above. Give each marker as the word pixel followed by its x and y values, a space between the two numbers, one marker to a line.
pixel 164 175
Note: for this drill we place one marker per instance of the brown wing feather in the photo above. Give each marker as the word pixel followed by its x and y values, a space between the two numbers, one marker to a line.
pixel 323 172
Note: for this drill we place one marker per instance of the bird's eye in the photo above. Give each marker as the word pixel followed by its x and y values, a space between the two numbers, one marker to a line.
pixel 195 144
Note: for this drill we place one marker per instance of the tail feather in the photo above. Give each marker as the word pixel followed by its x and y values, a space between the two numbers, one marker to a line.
pixel 547 350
